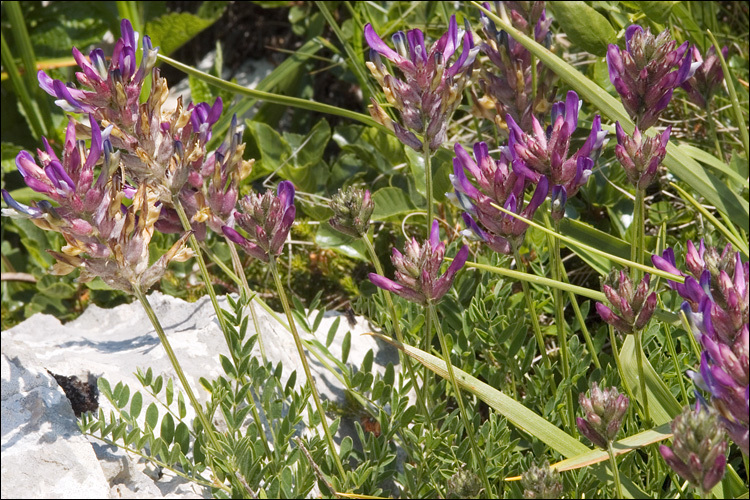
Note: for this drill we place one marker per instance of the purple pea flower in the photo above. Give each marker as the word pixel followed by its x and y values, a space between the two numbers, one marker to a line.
pixel 547 153
pixel 432 87
pixel 698 452
pixel 717 304
pixel 68 182
pixel 267 219
pixel 604 412
pixel 498 184
pixel 639 156
pixel 115 86
pixel 418 269
pixel 631 309
pixel 707 78
pixel 643 73
pixel 508 84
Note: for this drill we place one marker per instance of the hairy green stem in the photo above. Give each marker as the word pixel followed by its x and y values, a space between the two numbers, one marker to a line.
pixel 478 458
pixel 210 432
pixel 562 336
pixel 581 321
pixel 428 181
pixel 204 273
pixel 397 329
pixel 532 313
pixel 237 264
pixel 638 234
pixel 615 471
pixel 306 366
pixel 676 362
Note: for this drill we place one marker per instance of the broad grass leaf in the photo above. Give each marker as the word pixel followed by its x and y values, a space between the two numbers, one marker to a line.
pixel 584 26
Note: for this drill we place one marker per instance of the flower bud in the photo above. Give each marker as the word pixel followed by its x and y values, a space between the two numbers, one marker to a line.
pixel 352 209
pixel 698 448
pixel 604 412
pixel 541 482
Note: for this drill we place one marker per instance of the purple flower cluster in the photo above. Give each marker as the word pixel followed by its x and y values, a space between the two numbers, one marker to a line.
pixel 115 86
pixel 633 307
pixel 547 152
pixel 508 84
pixel 639 156
pixel 707 78
pixel 418 270
pixel 267 219
pixel 160 157
pixel 643 73
pixel 497 184
pixel 432 87
pixel 716 300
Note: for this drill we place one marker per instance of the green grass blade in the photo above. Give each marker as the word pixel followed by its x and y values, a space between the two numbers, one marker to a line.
pixel 691 172
pixel 740 120
pixel 662 404
pixel 269 97
pixel 712 161
pixel 514 412
pixel 16 82
pixel 729 235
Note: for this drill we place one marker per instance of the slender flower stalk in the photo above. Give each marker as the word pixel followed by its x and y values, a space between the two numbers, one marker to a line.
pixel 432 318
pixel 267 220
pixel 418 280
pixel 352 209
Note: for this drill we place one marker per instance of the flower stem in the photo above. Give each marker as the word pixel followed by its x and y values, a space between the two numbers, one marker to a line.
pixel 615 471
pixel 237 264
pixel 532 313
pixel 562 335
pixel 428 182
pixel 204 273
pixel 305 366
pixel 638 234
pixel 176 365
pixel 581 321
pixel 397 329
pixel 641 378
pixel 478 459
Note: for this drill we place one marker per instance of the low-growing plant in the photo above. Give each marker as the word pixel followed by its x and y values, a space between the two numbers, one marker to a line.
pixel 559 195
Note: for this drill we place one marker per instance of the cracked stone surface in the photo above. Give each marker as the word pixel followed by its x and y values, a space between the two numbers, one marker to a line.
pixel 43 452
